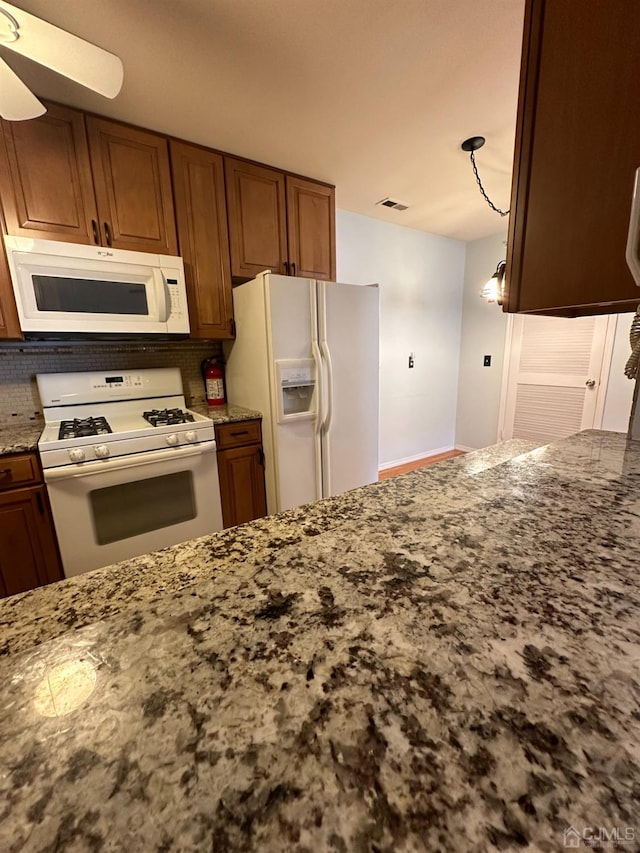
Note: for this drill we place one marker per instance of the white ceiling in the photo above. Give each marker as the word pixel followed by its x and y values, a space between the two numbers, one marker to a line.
pixel 374 96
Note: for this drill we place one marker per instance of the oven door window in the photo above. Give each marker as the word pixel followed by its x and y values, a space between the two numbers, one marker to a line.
pixel 89 296
pixel 130 509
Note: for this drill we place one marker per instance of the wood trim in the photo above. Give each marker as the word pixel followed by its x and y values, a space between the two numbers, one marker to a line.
pixel 419 463
pixel 525 123
pixel 9 321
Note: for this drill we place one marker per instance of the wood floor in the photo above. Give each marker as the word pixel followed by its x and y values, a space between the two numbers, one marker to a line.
pixel 418 463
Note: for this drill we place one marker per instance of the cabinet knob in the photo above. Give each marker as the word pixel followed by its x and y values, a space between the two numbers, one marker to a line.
pixel 590 383
pixel 96 233
pixel 107 233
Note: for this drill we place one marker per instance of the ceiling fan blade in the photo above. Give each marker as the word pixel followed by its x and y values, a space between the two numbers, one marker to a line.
pixel 73 57
pixel 17 102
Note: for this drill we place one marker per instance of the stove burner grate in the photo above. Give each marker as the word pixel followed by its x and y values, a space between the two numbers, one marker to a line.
pixel 82 427
pixel 165 417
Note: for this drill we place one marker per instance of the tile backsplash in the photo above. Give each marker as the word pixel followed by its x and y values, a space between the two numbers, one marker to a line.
pixel 19 364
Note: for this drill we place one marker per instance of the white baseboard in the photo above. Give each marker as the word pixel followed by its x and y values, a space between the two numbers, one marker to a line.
pixel 464 448
pixel 424 455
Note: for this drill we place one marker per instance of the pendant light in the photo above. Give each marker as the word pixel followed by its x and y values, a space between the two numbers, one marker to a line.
pixel 493 290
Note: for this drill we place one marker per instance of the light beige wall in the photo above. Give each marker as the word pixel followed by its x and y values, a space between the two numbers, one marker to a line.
pixel 484 329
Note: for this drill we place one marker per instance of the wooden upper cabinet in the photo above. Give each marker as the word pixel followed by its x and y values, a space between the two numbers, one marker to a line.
pixel 257 218
pixel 577 149
pixel 132 180
pixel 201 212
pixel 45 178
pixel 311 229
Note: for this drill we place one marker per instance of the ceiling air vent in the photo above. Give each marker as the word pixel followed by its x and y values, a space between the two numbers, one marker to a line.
pixel 394 203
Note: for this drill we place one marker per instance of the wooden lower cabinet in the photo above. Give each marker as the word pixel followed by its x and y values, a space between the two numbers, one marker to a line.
pixel 28 548
pixel 241 472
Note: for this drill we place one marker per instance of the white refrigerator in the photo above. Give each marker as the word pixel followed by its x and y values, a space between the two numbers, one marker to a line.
pixel 306 354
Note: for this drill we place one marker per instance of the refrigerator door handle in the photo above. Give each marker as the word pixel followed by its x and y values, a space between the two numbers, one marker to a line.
pixel 328 392
pixel 317 357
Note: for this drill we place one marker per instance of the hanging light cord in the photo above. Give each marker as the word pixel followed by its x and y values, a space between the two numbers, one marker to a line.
pixel 482 190
pixel 631 367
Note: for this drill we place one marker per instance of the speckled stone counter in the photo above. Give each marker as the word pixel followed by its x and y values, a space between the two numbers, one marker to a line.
pixel 20 437
pixel 226 414
pixel 447 660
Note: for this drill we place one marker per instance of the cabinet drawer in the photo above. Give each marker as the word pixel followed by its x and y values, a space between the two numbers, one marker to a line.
pixel 18 471
pixel 238 434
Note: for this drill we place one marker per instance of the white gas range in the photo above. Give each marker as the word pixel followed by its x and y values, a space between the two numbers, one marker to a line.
pixel 128 468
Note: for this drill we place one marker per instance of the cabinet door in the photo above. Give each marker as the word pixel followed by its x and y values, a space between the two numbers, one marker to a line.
pixel 257 218
pixel 132 180
pixel 576 154
pixel 201 213
pixel 242 489
pixel 28 553
pixel 45 178
pixel 311 229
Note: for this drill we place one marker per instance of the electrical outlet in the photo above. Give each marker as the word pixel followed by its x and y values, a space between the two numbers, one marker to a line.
pixel 487 361
pixel 411 359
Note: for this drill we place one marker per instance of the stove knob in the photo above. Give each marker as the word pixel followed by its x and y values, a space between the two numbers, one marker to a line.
pixel 77 454
pixel 191 436
pixel 102 451
pixel 172 439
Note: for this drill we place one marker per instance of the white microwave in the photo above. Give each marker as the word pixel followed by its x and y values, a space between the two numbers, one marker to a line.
pixel 69 290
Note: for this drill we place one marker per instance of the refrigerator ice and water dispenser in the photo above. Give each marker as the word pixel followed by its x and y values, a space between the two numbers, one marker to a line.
pixel 296 385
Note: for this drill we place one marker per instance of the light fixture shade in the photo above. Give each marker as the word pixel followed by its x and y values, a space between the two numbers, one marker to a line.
pixel 493 290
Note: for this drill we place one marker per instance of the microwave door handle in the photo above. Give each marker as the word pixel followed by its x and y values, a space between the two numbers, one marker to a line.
pixel 164 298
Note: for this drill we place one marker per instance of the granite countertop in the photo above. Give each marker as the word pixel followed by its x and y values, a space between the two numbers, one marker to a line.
pixel 20 437
pixel 226 414
pixel 446 660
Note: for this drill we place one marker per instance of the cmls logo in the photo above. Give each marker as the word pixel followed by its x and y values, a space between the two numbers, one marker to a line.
pixel 599 836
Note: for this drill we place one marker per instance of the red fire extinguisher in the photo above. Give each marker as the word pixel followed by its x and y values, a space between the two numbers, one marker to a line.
pixel 213 375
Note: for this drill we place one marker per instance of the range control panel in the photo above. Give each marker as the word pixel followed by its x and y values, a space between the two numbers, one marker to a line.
pixel 64 389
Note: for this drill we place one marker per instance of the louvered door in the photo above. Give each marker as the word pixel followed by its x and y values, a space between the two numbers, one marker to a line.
pixel 554 381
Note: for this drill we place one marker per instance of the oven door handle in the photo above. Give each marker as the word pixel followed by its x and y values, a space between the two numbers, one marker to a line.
pixel 122 463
